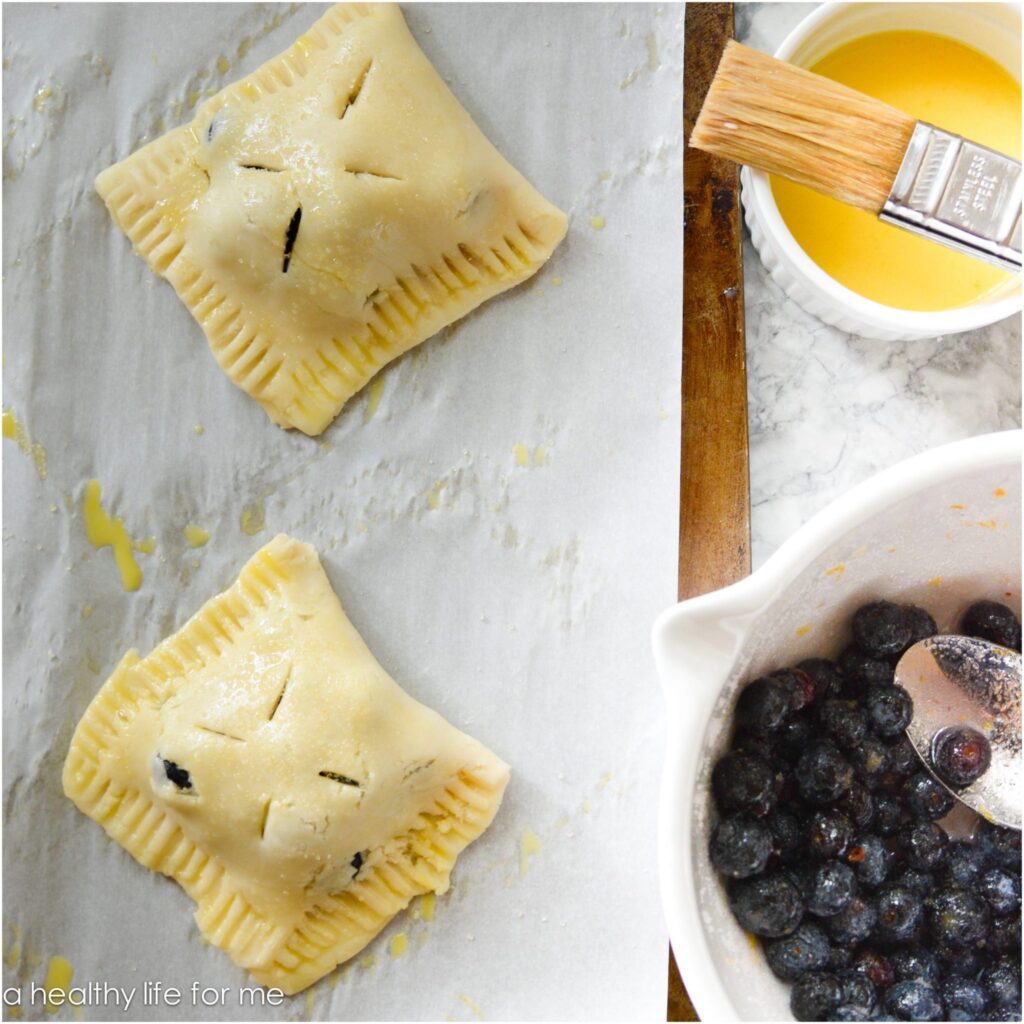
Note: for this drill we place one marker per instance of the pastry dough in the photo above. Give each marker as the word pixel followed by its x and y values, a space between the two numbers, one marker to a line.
pixel 329 212
pixel 262 758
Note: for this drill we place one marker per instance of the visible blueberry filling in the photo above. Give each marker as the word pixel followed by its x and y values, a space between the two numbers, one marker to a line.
pixel 345 780
pixel 179 776
pixel 289 238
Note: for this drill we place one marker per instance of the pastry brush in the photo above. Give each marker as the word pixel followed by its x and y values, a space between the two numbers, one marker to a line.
pixel 782 119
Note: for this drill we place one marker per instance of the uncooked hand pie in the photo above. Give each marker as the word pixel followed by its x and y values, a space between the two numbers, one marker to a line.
pixel 263 758
pixel 328 212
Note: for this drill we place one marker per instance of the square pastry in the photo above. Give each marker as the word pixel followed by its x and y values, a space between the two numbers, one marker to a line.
pixel 263 759
pixel 329 212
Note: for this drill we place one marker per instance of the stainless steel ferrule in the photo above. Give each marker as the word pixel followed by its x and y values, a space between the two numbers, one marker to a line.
pixel 959 193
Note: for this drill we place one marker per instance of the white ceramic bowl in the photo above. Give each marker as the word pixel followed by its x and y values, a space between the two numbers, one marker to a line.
pixel 941 529
pixel 994 29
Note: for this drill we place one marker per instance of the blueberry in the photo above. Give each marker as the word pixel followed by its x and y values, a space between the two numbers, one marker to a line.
pixel 1001 846
pixel 859 806
pixel 858 994
pixel 763 706
pixel 870 859
pixel 958 919
pixel 925 798
pixel 740 846
pixel 828 834
pixel 900 914
pixel 861 672
pixel 832 889
pixel 965 995
pixel 1001 890
pixel 816 996
pixel 903 759
pixel 751 743
pixel 961 963
pixel 870 760
pixel 850 1012
pixel 888 814
pixel 795 955
pixel 839 958
pixel 914 1000
pixel 889 710
pixel 823 774
pixel 844 721
pixel 923 844
pixel 802 689
pixel 853 924
pixel 960 755
pixel 826 676
pixel 922 625
pixel 989 620
pixel 875 967
pixel 769 905
pixel 915 963
pixel 801 874
pixel 787 836
pixel 795 736
pixel 1005 934
pixel 1011 1011
pixel 921 882
pixel 745 782
pixel 963 864
pixel 1001 981
pixel 881 629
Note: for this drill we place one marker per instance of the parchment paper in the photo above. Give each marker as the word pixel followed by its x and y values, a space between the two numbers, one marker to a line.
pixel 519 606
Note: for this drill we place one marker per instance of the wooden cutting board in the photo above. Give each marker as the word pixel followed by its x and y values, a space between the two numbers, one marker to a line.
pixel 714 477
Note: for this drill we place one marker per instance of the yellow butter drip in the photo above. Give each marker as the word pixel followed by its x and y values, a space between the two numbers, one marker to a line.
pixel 434 494
pixel 196 535
pixel 103 531
pixel 376 390
pixel 473 1008
pixel 427 906
pixel 16 432
pixel 938 80
pixel 253 519
pixel 528 846
pixel 58 979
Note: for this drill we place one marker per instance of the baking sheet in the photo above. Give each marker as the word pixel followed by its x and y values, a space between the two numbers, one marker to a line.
pixel 500 526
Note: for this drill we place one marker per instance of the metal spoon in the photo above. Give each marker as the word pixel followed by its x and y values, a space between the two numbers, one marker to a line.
pixel 955 681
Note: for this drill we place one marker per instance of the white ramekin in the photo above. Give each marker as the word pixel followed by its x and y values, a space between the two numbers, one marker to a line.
pixel 994 29
pixel 941 529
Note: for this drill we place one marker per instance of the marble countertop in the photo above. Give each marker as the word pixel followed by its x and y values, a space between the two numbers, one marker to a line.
pixel 827 408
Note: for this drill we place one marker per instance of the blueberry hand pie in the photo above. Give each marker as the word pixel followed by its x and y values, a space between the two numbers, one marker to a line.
pixel 329 212
pixel 263 759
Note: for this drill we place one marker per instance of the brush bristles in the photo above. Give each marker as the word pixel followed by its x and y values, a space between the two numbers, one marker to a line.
pixel 782 119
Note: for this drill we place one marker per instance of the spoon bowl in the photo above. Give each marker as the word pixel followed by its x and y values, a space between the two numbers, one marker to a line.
pixel 959 681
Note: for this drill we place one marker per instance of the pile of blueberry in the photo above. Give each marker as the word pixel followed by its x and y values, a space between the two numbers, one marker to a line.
pixel 827 833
